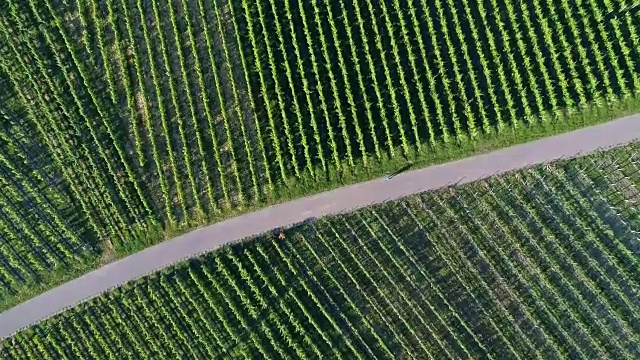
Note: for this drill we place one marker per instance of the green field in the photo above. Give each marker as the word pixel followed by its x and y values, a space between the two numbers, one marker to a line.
pixel 540 263
pixel 125 122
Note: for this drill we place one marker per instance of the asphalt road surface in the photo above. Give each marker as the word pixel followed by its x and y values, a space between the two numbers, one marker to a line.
pixel 209 238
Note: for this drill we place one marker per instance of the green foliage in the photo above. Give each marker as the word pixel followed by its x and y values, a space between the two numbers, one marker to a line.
pixel 156 117
pixel 537 263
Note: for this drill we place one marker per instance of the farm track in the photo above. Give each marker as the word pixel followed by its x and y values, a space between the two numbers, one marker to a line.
pixel 347 198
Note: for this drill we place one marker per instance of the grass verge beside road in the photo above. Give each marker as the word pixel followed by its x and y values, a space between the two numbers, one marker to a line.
pixel 304 187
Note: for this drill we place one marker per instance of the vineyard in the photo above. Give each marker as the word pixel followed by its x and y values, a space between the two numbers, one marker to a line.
pixel 126 121
pixel 540 263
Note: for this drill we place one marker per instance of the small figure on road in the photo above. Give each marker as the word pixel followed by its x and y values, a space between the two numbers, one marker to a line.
pixel 399 171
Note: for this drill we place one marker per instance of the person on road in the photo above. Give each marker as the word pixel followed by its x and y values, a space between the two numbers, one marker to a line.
pixel 399 171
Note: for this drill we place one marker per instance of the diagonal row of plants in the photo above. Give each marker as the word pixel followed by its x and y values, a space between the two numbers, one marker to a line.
pixel 35 210
pixel 540 263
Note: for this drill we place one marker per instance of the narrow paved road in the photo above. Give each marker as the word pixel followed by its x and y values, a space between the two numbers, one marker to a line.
pixel 208 238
